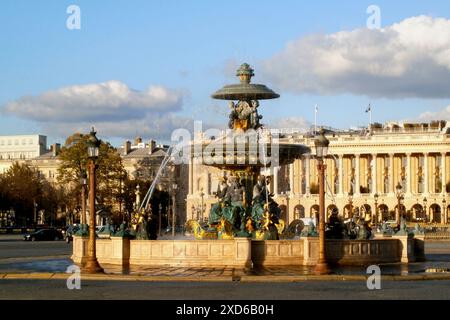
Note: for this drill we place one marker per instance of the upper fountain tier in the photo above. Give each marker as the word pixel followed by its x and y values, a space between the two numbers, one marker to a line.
pixel 245 90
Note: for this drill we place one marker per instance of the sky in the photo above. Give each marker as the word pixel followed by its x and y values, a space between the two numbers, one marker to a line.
pixel 148 67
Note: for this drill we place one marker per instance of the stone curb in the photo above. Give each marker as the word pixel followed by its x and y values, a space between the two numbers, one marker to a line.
pixel 243 278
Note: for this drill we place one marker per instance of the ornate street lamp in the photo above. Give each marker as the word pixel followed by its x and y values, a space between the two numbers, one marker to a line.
pixel 93 144
pixel 444 210
pixel 174 206
pixel 35 205
pixel 202 210
pixel 160 220
pixel 321 144
pixel 83 183
pixel 399 195
pixel 375 218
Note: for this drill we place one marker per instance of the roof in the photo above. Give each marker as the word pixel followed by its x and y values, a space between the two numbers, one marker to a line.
pixel 46 156
pixel 143 153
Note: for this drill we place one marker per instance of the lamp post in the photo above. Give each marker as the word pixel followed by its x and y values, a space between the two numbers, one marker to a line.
pixel 201 208
pixel 159 219
pixel 35 212
pixel 399 198
pixel 444 210
pixel 174 206
pixel 121 180
pixel 375 218
pixel 425 208
pixel 321 144
pixel 83 182
pixel 93 144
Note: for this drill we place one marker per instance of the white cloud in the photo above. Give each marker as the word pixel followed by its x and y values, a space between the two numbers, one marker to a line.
pixel 107 101
pixel 407 59
pixel 154 126
pixel 443 114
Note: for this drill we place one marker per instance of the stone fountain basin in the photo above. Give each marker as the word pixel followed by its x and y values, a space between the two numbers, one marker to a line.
pixel 222 155
pixel 245 253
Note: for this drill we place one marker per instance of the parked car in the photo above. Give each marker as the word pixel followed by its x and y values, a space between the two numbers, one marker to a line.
pixel 44 235
pixel 70 231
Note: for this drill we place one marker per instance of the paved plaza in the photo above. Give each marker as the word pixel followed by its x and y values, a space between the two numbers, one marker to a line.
pixel 56 289
pixel 36 270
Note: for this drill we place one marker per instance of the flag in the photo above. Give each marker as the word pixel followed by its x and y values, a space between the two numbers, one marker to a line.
pixel 316 108
pixel 369 108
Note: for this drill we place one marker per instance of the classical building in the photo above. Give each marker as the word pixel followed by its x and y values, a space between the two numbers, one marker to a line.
pixel 20 147
pixel 140 160
pixel 365 170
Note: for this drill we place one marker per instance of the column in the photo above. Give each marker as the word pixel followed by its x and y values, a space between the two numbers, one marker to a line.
pixel 341 175
pixel 307 174
pixel 374 173
pixel 443 170
pixel 291 179
pixel 275 181
pixel 408 173
pixel 425 164
pixel 391 174
pixel 357 183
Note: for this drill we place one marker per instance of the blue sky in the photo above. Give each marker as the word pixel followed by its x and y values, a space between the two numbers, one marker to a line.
pixel 188 47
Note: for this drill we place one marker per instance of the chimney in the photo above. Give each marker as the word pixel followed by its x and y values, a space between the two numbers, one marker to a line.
pixel 126 147
pixel 152 146
pixel 55 148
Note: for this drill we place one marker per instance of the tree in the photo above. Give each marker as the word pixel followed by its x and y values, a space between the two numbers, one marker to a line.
pixel 74 160
pixel 22 188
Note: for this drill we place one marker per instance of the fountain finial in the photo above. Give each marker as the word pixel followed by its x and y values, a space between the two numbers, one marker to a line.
pixel 245 73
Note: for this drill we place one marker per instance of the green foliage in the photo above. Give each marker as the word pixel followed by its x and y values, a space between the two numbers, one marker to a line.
pixel 21 190
pixel 74 162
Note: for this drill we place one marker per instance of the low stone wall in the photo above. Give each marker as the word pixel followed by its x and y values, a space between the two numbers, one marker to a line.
pixel 114 251
pixel 277 252
pixel 358 252
pixel 243 253
pixel 198 253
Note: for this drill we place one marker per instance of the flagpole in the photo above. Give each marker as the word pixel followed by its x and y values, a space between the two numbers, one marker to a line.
pixel 315 119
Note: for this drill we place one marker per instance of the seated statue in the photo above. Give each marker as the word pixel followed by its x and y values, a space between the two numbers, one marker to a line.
pixel 335 227
pixel 230 205
pixel 236 193
pixel 262 202
pixel 216 210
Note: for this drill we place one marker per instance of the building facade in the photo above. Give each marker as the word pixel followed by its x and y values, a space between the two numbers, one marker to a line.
pixel 20 147
pixel 365 170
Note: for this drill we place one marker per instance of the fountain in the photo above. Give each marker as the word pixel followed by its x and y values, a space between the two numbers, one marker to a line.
pixel 244 227
pixel 245 207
